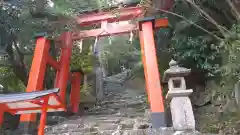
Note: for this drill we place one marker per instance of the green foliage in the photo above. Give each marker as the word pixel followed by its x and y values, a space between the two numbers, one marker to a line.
pixel 9 24
pixel 18 21
pixel 75 6
pixel 196 53
pixel 195 42
pixel 9 81
pixel 230 69
pixel 119 53
pixel 82 60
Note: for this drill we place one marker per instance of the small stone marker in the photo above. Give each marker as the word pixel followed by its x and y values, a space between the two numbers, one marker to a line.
pixel 181 107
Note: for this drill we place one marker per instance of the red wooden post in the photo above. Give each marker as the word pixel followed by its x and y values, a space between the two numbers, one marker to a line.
pixel 1 114
pixel 123 14
pixel 75 91
pixel 3 109
pixel 151 72
pixel 43 117
pixel 36 77
pixel 1 118
pixel 120 29
pixel 63 75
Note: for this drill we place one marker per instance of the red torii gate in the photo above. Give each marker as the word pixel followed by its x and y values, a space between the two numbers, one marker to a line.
pixel 41 59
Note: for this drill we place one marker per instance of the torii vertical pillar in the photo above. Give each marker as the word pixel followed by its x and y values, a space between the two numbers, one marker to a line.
pixel 152 76
pixel 75 91
pixel 3 107
pixel 65 60
pixel 28 122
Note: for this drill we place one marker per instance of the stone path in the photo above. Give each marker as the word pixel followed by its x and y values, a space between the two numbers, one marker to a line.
pixel 123 112
pixel 122 109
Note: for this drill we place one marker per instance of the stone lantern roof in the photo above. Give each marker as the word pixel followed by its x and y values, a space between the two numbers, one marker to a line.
pixel 175 71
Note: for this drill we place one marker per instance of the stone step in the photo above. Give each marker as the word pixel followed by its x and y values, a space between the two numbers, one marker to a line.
pixel 101 123
pixel 162 131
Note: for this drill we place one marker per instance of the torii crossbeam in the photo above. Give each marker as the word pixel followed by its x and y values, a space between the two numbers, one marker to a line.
pixel 41 59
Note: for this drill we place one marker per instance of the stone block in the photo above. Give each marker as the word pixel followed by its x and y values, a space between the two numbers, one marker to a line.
pixel 182 114
pixel 178 93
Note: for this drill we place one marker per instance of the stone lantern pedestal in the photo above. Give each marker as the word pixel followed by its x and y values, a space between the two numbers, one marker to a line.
pixel 181 107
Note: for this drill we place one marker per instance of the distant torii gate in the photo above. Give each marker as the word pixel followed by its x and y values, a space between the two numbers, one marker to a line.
pixel 41 59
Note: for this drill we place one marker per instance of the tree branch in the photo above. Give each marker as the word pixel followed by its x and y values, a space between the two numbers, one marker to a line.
pixel 190 22
pixel 234 9
pixel 222 29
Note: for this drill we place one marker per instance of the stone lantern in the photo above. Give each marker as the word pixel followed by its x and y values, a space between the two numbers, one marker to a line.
pixel 181 107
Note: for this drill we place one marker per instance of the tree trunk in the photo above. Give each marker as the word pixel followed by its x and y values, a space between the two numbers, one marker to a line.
pixel 99 84
pixel 40 6
pixel 85 82
pixel 38 11
pixel 17 58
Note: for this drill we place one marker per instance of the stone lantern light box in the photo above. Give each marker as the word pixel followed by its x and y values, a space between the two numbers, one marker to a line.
pixel 174 76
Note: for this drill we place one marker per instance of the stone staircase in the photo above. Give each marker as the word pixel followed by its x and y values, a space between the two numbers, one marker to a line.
pixel 123 112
